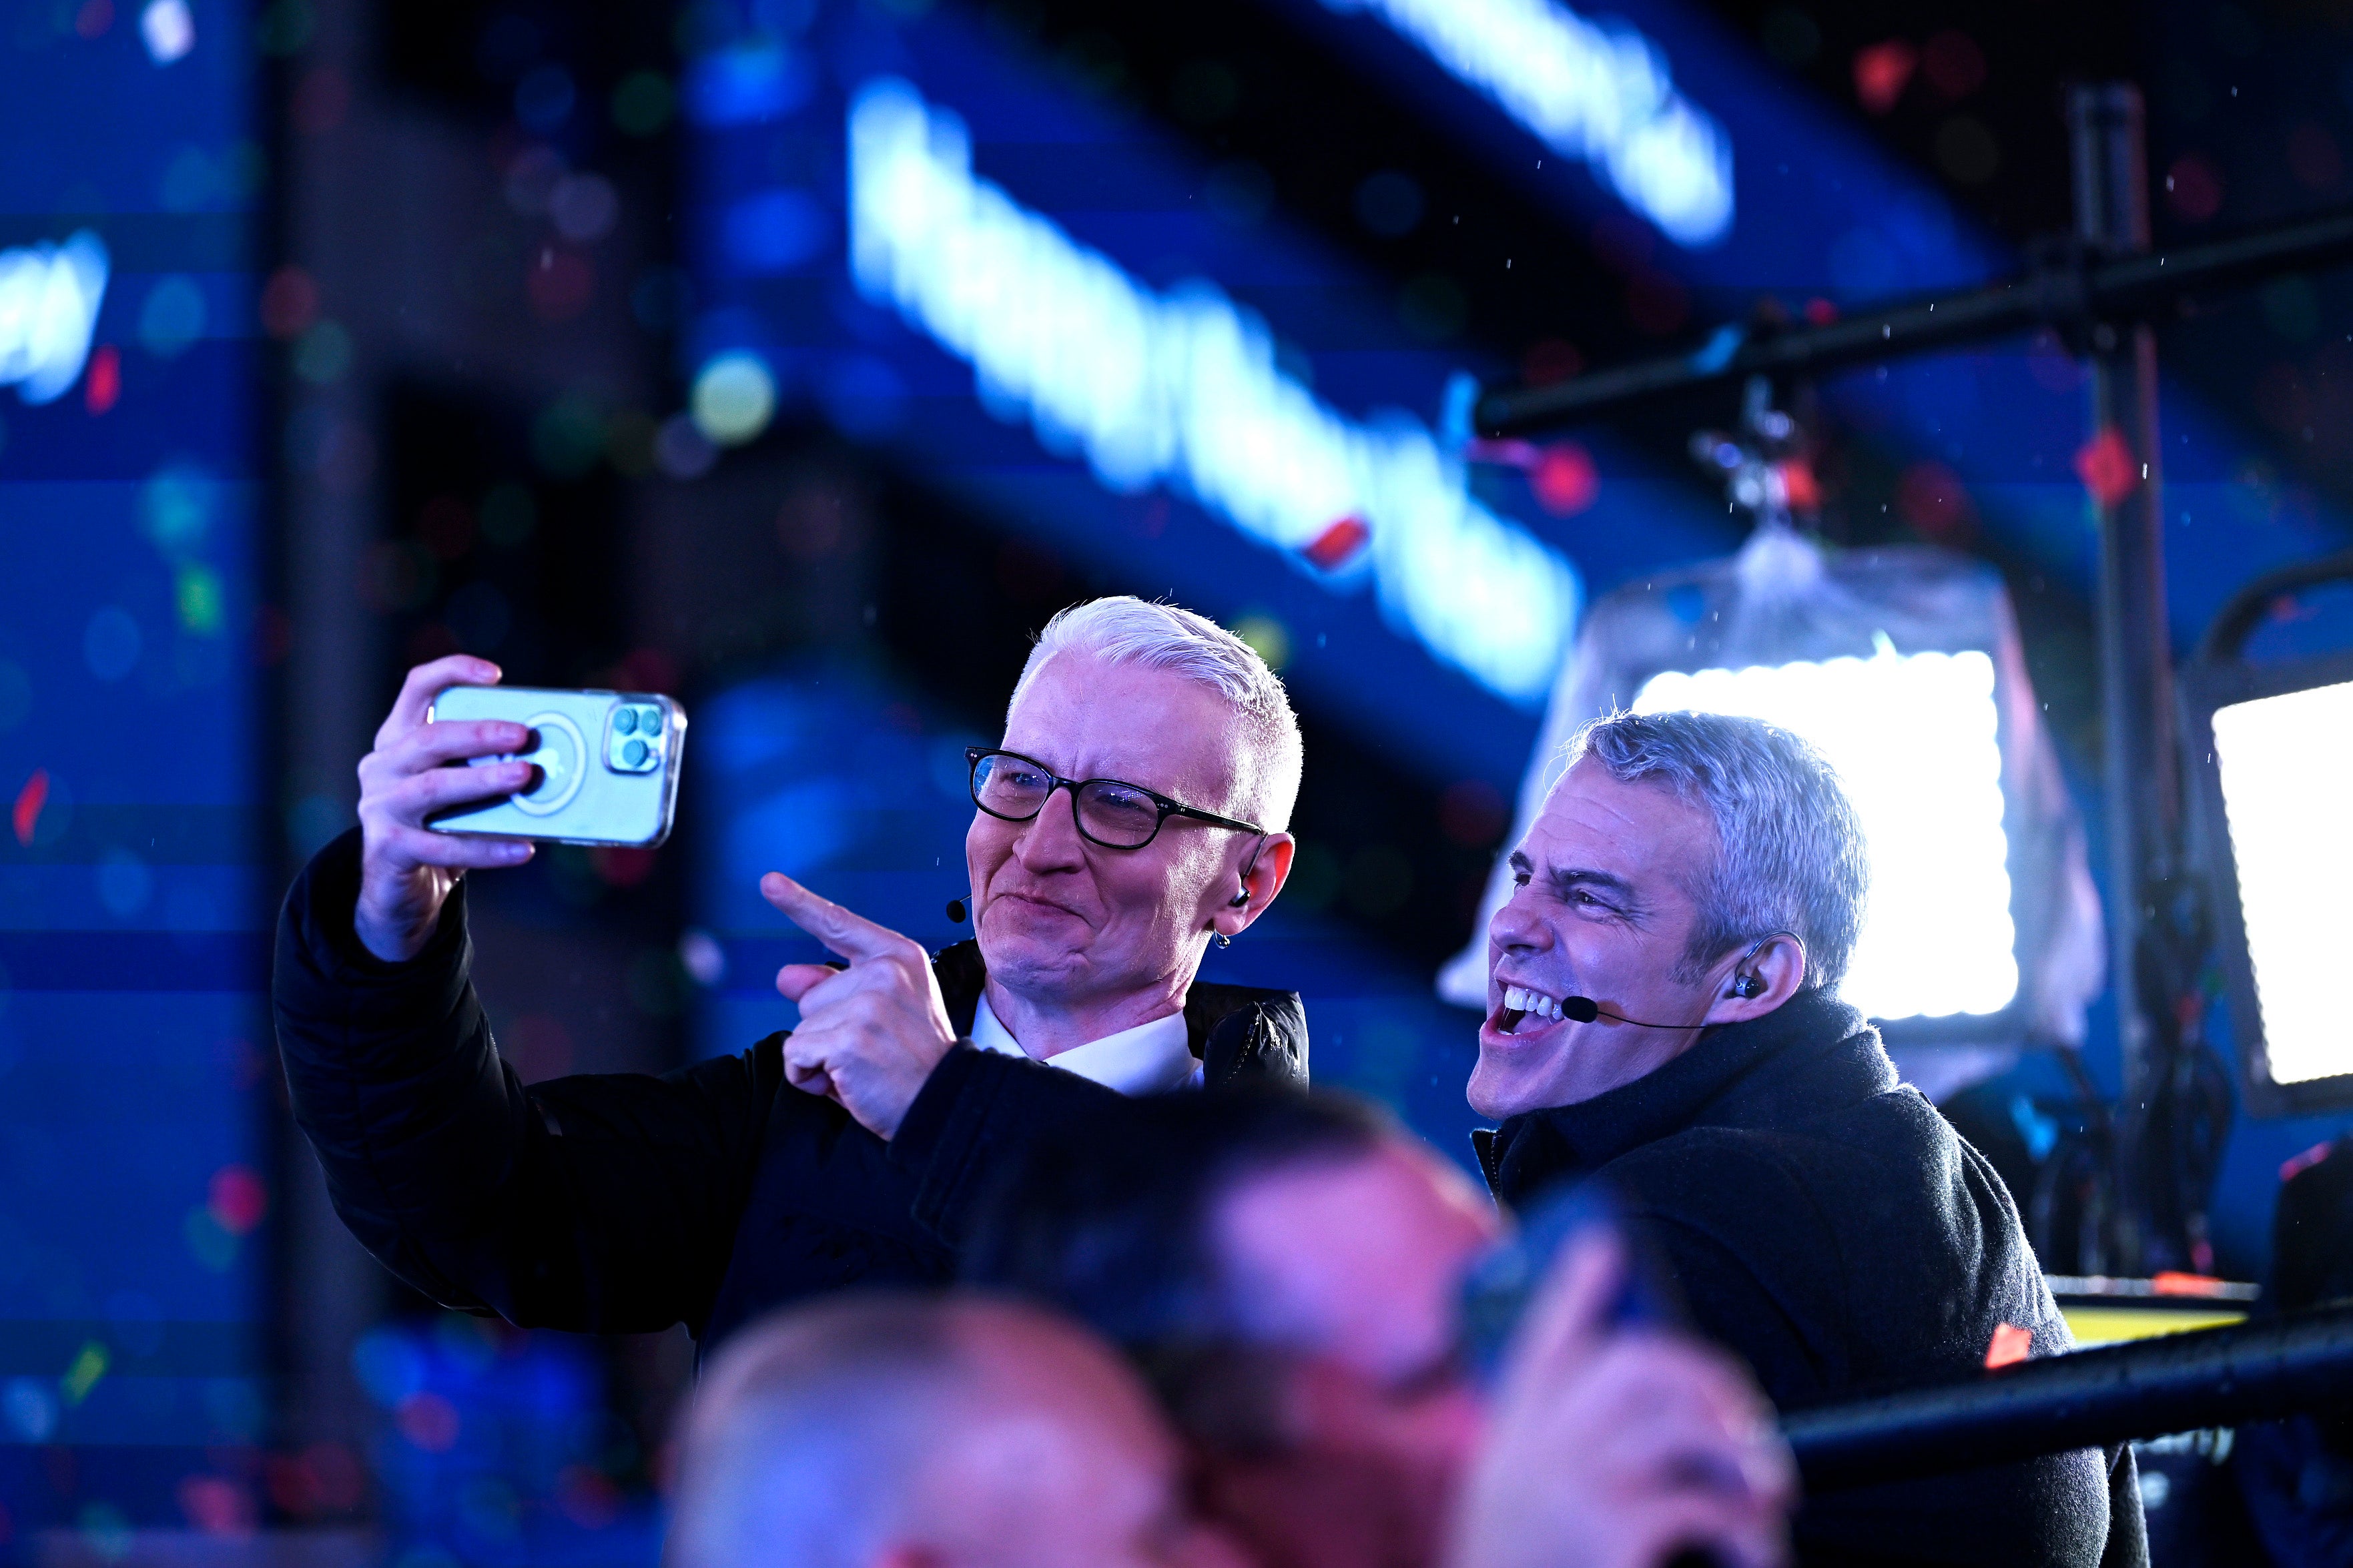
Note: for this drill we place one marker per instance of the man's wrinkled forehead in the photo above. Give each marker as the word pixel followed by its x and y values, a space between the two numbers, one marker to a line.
pixel 1639 831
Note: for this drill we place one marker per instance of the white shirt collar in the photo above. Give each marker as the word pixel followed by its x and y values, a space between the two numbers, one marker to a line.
pixel 1149 1058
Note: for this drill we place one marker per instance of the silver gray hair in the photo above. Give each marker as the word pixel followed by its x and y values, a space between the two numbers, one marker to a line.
pixel 808 1441
pixel 1789 851
pixel 1123 629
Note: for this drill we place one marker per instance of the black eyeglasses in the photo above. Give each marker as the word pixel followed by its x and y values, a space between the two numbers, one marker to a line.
pixel 1016 788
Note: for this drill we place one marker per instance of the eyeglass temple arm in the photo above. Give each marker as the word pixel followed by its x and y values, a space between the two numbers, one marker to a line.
pixel 1177 810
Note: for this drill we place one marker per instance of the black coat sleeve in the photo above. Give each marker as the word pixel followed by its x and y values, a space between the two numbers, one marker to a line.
pixel 973 1115
pixel 594 1203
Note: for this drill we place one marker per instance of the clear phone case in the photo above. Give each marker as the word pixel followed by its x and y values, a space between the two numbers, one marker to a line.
pixel 608 765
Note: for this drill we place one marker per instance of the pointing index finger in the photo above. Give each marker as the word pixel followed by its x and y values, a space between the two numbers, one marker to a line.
pixel 851 935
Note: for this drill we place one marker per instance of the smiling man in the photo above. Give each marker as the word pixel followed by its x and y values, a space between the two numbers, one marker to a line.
pixel 1663 1012
pixel 1134 813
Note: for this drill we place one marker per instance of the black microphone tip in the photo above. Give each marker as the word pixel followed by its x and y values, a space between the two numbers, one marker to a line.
pixel 955 911
pixel 1580 1009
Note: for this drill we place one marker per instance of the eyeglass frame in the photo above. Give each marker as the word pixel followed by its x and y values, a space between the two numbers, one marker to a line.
pixel 1168 807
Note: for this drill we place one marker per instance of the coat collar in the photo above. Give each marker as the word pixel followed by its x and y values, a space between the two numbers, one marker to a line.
pixel 1236 1032
pixel 1810 1055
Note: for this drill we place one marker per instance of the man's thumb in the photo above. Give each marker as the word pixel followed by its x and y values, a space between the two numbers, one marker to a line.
pixel 797 980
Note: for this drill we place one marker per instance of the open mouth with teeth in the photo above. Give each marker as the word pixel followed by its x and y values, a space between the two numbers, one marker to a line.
pixel 1521 1003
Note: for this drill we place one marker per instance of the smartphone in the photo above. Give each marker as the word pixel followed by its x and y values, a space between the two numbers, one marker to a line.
pixel 1500 1286
pixel 607 764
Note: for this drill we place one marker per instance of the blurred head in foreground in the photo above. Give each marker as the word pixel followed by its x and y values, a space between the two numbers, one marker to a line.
pixel 1287 1273
pixel 877 1431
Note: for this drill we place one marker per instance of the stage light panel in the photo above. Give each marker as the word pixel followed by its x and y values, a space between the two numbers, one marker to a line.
pixel 2284 761
pixel 1183 388
pixel 1916 740
pixel 1600 93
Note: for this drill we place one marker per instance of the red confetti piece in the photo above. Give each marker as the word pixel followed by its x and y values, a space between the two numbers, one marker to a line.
pixel 1338 544
pixel 1564 480
pixel 1549 360
pixel 620 866
pixel 29 801
pixel 1882 72
pixel 1931 498
pixel 2296 1165
pixel 2106 465
pixel 1798 482
pixel 103 385
pixel 2010 1343
pixel 428 1421
pixel 237 1199
pixel 216 1506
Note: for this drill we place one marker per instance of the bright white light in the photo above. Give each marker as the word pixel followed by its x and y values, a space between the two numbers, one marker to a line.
pixel 733 399
pixel 1181 388
pixel 1915 740
pixel 1600 93
pixel 2284 762
pixel 49 296
pixel 168 30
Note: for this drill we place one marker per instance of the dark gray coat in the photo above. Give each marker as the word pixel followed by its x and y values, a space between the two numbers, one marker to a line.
pixel 1822 1220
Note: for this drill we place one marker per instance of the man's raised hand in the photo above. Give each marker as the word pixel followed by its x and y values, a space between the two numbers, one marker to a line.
pixel 870 1034
pixel 1620 1448
pixel 407 870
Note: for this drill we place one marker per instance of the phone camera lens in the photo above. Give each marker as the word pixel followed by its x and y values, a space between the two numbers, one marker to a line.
pixel 634 754
pixel 649 721
pixel 625 721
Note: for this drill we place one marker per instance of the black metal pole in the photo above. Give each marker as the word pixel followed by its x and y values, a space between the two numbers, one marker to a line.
pixel 2065 292
pixel 2105 130
pixel 2177 1382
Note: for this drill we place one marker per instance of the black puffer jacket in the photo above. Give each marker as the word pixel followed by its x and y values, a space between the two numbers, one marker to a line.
pixel 1823 1221
pixel 626 1202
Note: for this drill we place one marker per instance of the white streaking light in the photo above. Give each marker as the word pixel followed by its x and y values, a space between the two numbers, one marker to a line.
pixel 168 29
pixel 2284 761
pixel 1598 92
pixel 1914 739
pixel 49 296
pixel 1183 388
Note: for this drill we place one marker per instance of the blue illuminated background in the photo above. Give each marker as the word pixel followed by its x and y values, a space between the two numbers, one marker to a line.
pixel 132 1195
pixel 135 1201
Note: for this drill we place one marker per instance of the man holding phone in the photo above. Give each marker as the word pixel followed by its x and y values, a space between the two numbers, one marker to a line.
pixel 627 1203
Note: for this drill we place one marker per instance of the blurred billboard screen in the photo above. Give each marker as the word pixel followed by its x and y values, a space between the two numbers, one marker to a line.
pixel 2271 749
